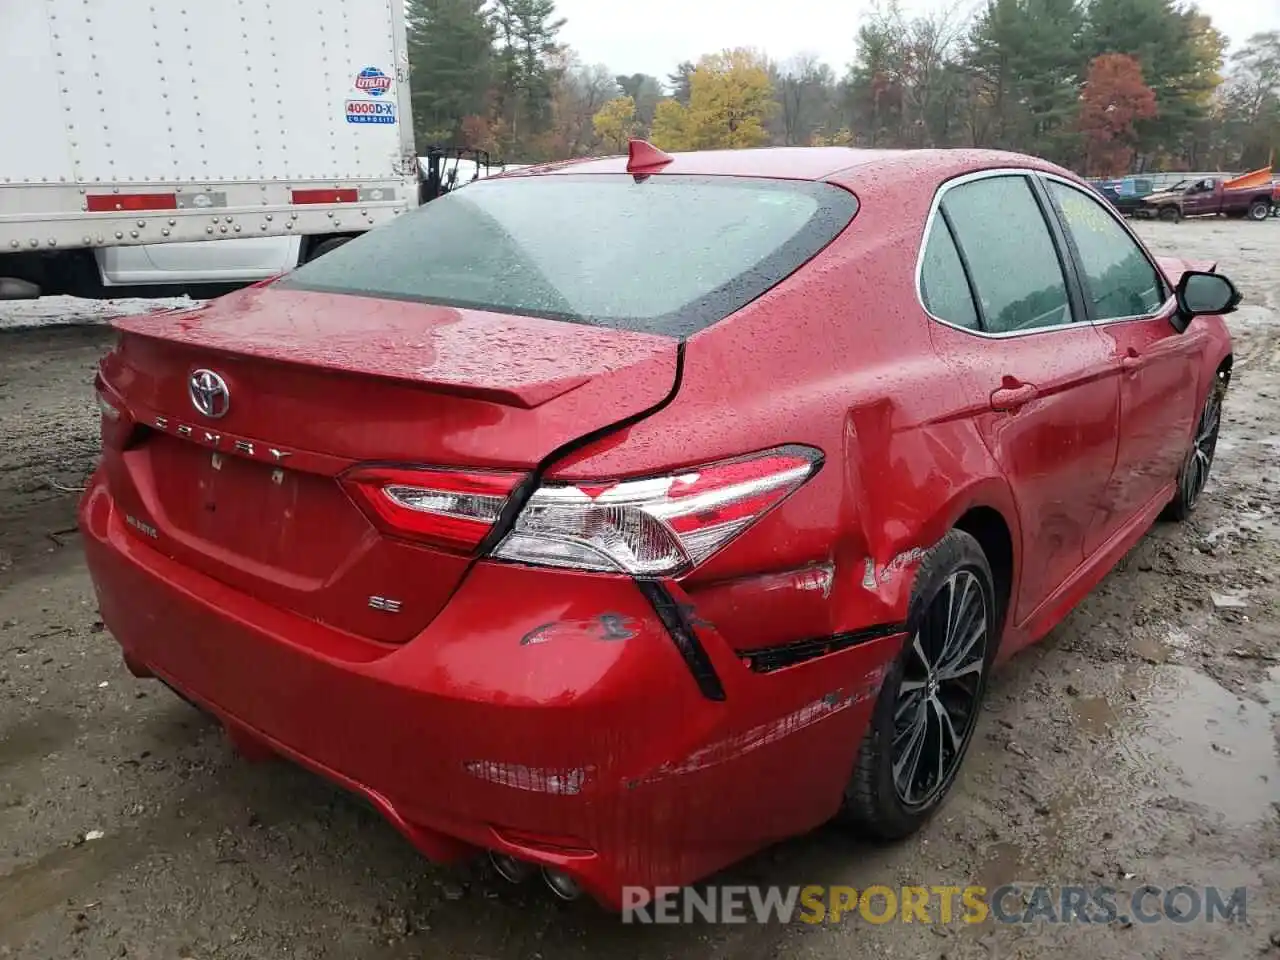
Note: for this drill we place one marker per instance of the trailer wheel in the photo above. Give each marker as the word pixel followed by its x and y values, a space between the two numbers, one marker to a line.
pixel 326 247
pixel 1259 210
pixel 1170 214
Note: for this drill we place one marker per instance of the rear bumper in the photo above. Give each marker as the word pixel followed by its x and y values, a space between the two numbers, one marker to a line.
pixel 543 714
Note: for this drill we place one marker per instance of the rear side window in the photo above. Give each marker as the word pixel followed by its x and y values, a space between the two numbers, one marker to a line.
pixel 1012 258
pixel 943 285
pixel 668 254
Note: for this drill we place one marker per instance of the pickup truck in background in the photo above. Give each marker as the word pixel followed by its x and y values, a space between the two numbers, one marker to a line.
pixel 1254 196
pixel 158 124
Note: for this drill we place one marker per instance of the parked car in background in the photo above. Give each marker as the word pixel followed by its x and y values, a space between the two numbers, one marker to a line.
pixel 1126 194
pixel 467 516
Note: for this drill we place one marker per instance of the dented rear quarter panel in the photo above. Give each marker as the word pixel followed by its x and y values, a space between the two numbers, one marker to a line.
pixel 839 357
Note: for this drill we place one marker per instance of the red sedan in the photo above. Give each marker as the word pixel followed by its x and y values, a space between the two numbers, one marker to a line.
pixel 622 517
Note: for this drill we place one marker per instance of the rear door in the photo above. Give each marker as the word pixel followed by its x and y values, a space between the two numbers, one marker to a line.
pixel 1130 302
pixel 1042 381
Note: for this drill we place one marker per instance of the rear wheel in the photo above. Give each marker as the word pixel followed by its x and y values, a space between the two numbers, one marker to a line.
pixel 931 698
pixel 1194 474
pixel 1259 210
pixel 1170 214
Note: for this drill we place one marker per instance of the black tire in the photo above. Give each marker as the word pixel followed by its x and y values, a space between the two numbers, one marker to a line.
pixel 1194 474
pixel 327 246
pixel 1259 210
pixel 1170 214
pixel 879 800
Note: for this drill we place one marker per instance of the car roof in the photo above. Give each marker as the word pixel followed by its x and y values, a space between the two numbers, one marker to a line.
pixel 849 166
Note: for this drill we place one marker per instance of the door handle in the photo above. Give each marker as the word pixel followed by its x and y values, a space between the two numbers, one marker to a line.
pixel 1010 397
pixel 1131 361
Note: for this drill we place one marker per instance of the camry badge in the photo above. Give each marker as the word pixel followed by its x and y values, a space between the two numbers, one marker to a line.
pixel 209 394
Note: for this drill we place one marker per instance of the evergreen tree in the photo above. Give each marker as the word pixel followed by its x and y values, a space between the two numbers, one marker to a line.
pixel 526 43
pixel 1168 44
pixel 1026 67
pixel 645 91
pixel 681 83
pixel 451 56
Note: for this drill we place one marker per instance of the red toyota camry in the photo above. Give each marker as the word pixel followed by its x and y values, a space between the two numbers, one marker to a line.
pixel 621 517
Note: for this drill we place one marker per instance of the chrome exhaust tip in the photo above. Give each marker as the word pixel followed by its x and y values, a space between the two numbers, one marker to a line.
pixel 509 868
pixel 561 884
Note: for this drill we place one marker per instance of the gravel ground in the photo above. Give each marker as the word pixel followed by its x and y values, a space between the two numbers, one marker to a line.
pixel 1137 744
pixel 63 311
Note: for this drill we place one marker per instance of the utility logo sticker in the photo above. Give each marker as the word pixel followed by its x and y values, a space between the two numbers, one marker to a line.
pixel 371 111
pixel 372 81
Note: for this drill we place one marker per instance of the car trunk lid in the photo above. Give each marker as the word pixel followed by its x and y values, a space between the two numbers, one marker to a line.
pixel 318 383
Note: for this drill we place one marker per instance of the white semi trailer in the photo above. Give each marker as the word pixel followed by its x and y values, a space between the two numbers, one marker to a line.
pixel 155 122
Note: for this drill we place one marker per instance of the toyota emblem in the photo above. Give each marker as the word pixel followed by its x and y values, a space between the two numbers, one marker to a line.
pixel 209 394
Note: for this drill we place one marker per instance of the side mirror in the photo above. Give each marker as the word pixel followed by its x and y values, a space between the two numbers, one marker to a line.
pixel 1206 294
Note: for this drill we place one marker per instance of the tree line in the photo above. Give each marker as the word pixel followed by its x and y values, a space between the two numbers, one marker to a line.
pixel 1102 86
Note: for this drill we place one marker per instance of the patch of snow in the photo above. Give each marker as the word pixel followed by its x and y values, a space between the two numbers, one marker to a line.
pixel 58 311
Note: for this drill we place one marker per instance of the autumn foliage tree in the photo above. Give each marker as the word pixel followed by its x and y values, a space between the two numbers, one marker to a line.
pixel 616 122
pixel 1008 74
pixel 1113 102
pixel 730 97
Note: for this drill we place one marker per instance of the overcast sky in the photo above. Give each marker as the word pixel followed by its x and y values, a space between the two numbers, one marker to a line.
pixel 652 36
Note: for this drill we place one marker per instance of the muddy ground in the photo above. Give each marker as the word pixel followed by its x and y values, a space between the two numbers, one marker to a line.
pixel 1136 745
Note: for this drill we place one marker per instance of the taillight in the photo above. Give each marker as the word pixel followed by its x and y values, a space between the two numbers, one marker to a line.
pixel 117 425
pixel 449 508
pixel 660 526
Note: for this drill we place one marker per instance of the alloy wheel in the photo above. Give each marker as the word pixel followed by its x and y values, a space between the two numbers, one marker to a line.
pixel 1196 474
pixel 938 697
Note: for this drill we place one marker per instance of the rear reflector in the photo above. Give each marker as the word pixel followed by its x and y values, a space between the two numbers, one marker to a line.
pixel 110 202
pixel 656 527
pixel 448 508
pixel 348 195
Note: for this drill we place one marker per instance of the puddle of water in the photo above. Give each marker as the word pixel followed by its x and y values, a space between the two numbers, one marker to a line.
pixel 1004 866
pixel 1210 746
pixel 42 734
pixel 1093 714
pixel 1149 649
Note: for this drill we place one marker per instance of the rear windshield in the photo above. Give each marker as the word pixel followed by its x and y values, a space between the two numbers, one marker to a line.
pixel 668 255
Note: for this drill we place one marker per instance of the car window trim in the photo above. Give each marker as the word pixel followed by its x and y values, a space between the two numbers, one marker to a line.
pixel 978 311
pixel 935 209
pixel 1167 305
pixel 1071 273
